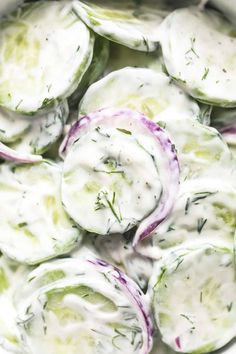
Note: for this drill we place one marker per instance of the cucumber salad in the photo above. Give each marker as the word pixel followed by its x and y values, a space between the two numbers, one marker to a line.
pixel 118 176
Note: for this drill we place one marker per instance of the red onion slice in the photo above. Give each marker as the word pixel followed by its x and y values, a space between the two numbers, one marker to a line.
pixel 170 185
pixel 17 157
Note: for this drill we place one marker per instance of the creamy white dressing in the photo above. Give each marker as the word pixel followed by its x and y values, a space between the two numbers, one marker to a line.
pixel 194 302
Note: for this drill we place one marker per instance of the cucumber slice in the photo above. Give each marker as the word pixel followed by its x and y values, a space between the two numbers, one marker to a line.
pixel 94 71
pixel 143 90
pixel 120 170
pixel 124 22
pixel 201 150
pixel 10 279
pixel 121 57
pixel 190 40
pixel 7 6
pixel 204 211
pixel 12 126
pixel 85 304
pixel 194 299
pixel 39 43
pixel 33 223
pixel 45 129
pixel 227 7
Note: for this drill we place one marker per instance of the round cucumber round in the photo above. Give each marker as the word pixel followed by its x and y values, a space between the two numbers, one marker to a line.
pixel 33 222
pixel 193 298
pixel 120 170
pixel 86 304
pixel 143 90
pixel 199 50
pixel 45 50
